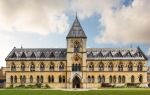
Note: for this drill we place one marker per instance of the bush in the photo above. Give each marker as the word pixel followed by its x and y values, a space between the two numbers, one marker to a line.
pixel 38 85
pixel 47 86
pixel 106 85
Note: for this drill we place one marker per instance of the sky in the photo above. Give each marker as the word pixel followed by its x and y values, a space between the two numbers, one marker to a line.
pixel 46 23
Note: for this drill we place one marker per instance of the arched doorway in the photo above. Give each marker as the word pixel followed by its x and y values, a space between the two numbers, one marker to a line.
pixel 76 82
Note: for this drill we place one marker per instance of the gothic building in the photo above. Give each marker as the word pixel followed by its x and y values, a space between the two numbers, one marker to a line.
pixel 76 66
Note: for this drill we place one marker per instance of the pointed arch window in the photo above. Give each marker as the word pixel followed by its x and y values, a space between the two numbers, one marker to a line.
pixel 42 79
pixel 140 78
pixel 51 67
pixel 130 67
pixel 132 79
pixel 91 67
pixel 22 67
pixel 11 79
pixel 15 80
pixel 110 79
pixel 101 67
pixel 120 67
pixel 32 67
pixel 110 67
pixel 31 79
pixel 42 67
pixel 88 79
pixel 119 79
pixel 92 79
pixel 61 67
pixel 139 67
pixel 13 67
pixel 123 79
pixel 114 79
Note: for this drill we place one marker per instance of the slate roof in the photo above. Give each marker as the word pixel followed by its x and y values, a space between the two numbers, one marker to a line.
pixel 92 54
pixel 37 54
pixel 76 30
pixel 115 54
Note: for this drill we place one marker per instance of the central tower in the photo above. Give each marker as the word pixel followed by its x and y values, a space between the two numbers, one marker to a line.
pixel 76 56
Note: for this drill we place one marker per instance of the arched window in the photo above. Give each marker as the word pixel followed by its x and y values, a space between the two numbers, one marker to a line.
pixel 119 79
pixel 22 67
pixel 110 67
pixel 60 79
pixel 139 67
pixel 38 79
pixel 15 80
pixel 140 78
pixel 93 79
pixel 61 67
pixel 132 79
pixel 52 79
pixel 24 79
pixel 49 79
pixel 73 67
pixel 101 67
pixel 120 67
pixel 114 79
pixel 42 67
pixel 21 80
pixel 110 79
pixel 63 79
pixel 103 79
pixel 32 67
pixel 11 79
pixel 13 67
pixel 76 47
pixel 51 68
pixel 130 67
pixel 42 79
pixel 99 79
pixel 123 79
pixel 78 67
pixel 91 67
pixel 31 79
pixel 89 79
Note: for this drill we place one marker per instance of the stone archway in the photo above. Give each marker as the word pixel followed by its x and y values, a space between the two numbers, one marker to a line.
pixel 76 82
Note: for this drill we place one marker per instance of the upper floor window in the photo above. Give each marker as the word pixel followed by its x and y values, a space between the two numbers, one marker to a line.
pixel 22 67
pixel 110 67
pixel 101 67
pixel 76 67
pixel 61 67
pixel 91 67
pixel 139 67
pixel 13 67
pixel 51 67
pixel 32 67
pixel 76 47
pixel 120 67
pixel 130 67
pixel 42 67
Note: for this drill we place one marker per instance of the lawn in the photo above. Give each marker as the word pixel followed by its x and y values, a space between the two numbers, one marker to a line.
pixel 92 92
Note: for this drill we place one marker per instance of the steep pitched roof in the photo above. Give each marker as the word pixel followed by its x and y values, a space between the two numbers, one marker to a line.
pixel 76 30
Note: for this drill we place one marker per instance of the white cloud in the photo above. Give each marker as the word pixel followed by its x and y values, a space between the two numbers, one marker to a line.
pixel 127 25
pixel 35 16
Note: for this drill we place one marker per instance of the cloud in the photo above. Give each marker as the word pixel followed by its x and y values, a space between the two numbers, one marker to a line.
pixel 127 24
pixel 148 53
pixel 35 16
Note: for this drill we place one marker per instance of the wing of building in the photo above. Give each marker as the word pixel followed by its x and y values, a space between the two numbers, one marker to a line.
pixel 76 66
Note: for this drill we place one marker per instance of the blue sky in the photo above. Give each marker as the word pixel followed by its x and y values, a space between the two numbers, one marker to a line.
pixel 45 24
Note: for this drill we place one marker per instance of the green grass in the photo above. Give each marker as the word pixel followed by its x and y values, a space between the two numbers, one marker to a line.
pixel 92 92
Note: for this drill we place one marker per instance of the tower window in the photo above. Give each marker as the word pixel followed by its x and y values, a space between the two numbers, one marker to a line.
pixel 76 47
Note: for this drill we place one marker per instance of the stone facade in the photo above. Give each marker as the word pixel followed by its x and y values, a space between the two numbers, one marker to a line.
pixel 76 66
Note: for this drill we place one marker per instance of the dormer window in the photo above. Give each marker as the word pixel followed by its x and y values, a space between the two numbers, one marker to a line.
pixel 42 55
pixel 14 55
pixel 23 55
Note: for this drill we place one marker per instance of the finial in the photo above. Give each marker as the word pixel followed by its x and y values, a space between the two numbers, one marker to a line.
pixel 76 15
